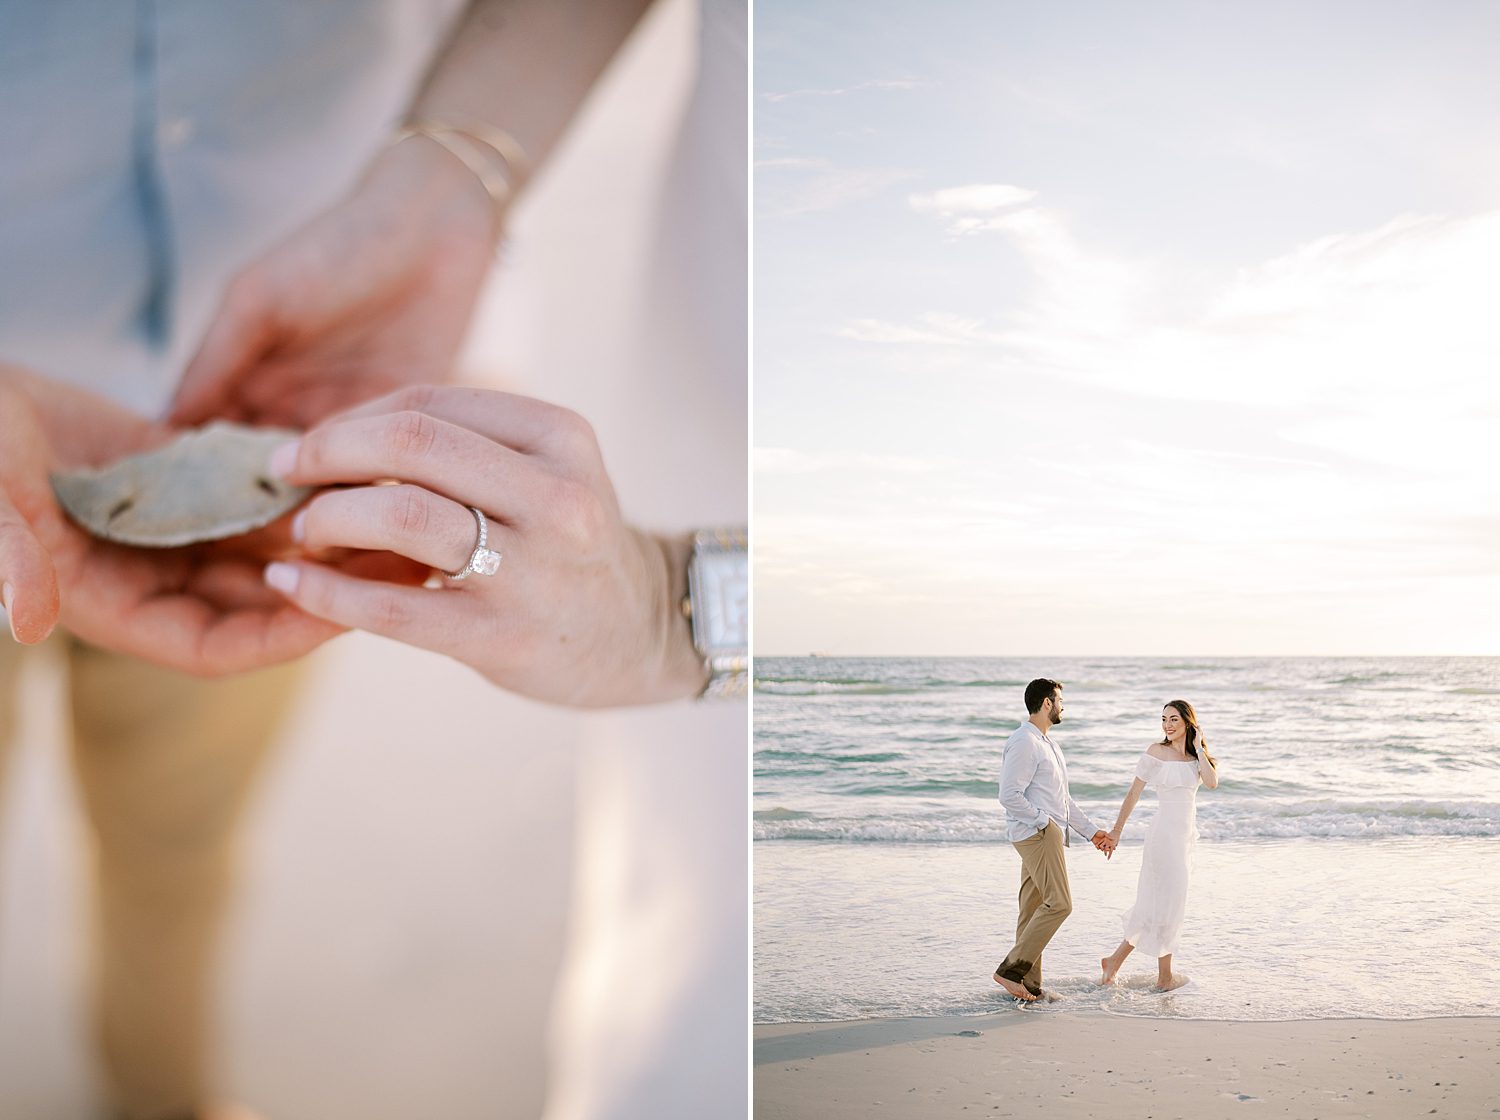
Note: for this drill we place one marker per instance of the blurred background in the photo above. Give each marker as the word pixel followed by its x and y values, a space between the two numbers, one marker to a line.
pixel 423 900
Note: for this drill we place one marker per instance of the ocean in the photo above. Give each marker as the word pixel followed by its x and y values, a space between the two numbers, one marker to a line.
pixel 1348 865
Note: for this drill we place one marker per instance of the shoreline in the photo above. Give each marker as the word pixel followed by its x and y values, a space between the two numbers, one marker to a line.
pixel 961 1017
pixel 1092 1063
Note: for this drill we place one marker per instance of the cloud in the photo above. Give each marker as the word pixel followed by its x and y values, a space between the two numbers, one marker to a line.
pixel 888 83
pixel 787 461
pixel 976 208
pixel 802 185
pixel 1379 325
pixel 1079 297
pixel 1260 461
pixel 791 163
pixel 1393 324
pixel 1343 395
pixel 936 329
pixel 1320 421
pixel 975 198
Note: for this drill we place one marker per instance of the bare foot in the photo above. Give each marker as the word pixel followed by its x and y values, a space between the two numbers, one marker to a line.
pixel 1171 983
pixel 228 1110
pixel 1111 970
pixel 1014 989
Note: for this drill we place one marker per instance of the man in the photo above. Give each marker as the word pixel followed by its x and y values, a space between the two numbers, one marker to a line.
pixel 1038 813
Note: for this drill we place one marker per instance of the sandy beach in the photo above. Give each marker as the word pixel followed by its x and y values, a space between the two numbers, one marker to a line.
pixel 1092 1064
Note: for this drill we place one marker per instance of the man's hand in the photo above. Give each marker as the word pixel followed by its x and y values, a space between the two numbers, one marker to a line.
pixel 1104 842
pixel 203 610
pixel 373 295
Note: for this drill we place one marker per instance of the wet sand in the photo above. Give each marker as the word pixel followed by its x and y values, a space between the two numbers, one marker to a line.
pixel 1092 1064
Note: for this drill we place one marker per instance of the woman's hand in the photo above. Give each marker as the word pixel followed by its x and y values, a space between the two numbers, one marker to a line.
pixel 1207 770
pixel 1104 842
pixel 583 610
pixel 374 294
pixel 202 610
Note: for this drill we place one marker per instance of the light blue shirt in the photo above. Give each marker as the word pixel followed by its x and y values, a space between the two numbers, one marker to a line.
pixel 150 149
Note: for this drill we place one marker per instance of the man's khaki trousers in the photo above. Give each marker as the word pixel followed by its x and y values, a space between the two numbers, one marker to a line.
pixel 1045 904
pixel 164 764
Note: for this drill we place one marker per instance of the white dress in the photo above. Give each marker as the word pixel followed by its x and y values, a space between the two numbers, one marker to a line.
pixel 1154 923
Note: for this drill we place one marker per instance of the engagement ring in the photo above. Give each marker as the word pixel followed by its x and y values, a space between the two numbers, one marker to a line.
pixel 482 561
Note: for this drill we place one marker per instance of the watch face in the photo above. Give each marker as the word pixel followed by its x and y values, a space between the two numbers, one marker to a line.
pixel 721 608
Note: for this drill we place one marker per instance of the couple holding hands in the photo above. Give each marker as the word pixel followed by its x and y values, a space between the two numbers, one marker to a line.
pixel 1039 811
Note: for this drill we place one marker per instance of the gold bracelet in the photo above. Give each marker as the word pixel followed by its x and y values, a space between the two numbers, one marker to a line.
pixel 502 143
pixel 467 147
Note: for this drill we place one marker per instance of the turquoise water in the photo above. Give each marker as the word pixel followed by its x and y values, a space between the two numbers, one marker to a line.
pixel 1347 863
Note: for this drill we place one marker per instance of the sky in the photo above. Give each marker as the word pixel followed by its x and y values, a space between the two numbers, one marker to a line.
pixel 1092 328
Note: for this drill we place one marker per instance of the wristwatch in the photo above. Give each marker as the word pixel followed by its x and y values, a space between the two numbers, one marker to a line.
pixel 718 602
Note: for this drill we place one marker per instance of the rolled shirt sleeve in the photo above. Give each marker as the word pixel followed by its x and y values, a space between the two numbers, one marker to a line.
pixel 1079 821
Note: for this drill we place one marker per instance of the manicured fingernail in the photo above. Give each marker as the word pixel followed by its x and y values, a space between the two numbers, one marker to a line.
pixel 282 577
pixel 284 459
pixel 7 596
pixel 299 526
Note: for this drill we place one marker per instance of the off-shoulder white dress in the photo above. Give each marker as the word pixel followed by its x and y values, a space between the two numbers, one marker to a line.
pixel 1154 924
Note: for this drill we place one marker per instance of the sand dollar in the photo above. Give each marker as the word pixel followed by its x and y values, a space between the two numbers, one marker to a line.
pixel 205 485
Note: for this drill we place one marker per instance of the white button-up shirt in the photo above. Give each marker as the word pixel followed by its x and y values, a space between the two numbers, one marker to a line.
pixel 1034 787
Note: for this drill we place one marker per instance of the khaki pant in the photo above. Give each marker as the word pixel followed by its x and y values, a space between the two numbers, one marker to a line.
pixel 164 763
pixel 1045 901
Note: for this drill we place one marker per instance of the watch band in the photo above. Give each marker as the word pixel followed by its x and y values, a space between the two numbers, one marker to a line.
pixel 729 677
pixel 725 656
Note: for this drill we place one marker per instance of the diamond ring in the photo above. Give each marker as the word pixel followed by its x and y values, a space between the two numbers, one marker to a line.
pixel 482 561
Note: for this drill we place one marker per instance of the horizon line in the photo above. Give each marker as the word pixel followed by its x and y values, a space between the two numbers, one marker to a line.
pixel 1075 656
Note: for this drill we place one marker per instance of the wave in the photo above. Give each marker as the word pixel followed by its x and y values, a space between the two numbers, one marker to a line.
pixel 813 686
pixel 973 787
pixel 1370 678
pixel 825 757
pixel 897 832
pixel 780 813
pixel 939 682
pixel 832 688
pixel 993 723
pixel 1304 820
pixel 817 679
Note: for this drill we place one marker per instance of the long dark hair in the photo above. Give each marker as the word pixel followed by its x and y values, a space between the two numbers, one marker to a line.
pixel 1194 734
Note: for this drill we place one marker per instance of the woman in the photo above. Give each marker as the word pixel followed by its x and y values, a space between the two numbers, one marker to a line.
pixel 1175 766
